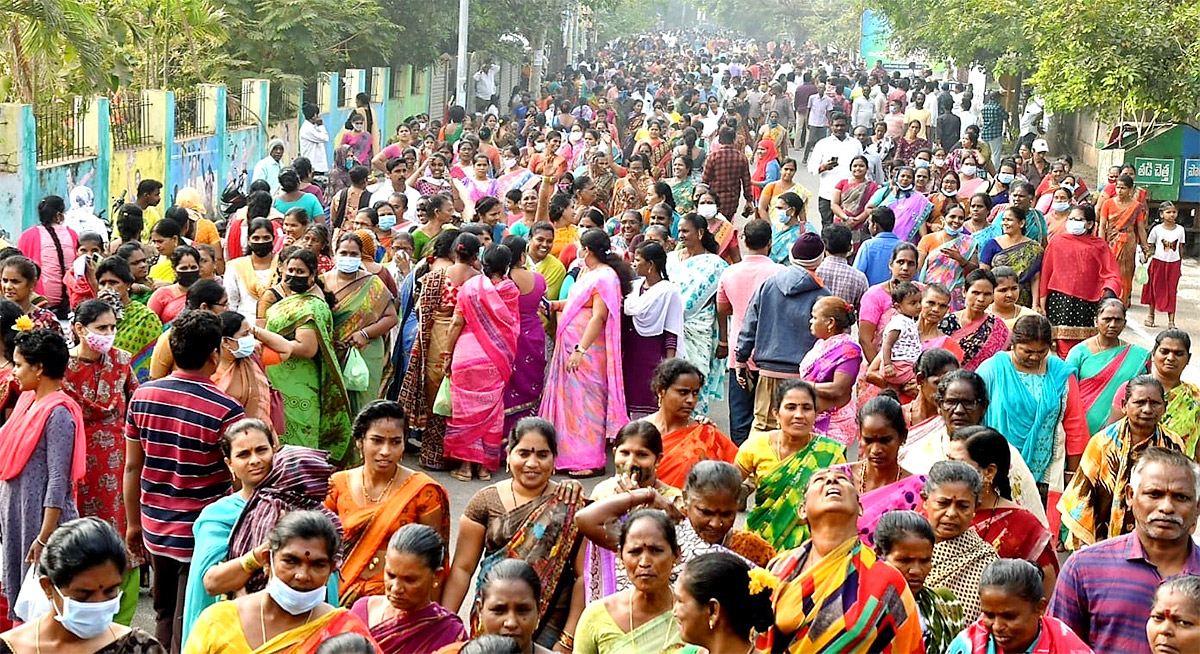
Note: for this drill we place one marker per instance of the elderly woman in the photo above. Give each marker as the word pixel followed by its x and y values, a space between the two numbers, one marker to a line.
pixel 778 463
pixel 1034 401
pixel 302 549
pixel 951 497
pixel 715 606
pixel 931 366
pixel 1103 363
pixel 832 588
pixel 980 334
pixel 832 365
pixel 1175 614
pixel 1094 506
pixel 962 400
pixel 1013 531
pixel 1013 619
pixel 905 540
pixel 1172 351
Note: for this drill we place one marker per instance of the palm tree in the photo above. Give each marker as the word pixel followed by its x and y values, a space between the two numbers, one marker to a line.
pixel 41 38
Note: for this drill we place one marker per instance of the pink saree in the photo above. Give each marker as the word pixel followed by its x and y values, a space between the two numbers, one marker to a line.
pixel 587 406
pixel 483 363
pixel 979 340
pixel 819 366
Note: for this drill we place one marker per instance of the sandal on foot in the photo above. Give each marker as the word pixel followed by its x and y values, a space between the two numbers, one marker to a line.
pixel 484 474
pixel 1149 323
pixel 459 475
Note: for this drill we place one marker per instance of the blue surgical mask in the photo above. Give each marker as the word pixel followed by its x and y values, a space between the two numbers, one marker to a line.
pixel 783 216
pixel 246 346
pixel 921 163
pixel 291 600
pixel 87 619
pixel 952 231
pixel 1060 206
pixel 387 222
pixel 348 264
pixel 1005 178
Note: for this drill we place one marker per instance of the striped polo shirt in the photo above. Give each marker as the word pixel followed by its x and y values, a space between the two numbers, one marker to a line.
pixel 1105 592
pixel 179 420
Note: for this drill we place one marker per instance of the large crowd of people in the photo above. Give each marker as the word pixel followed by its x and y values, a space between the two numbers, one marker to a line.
pixel 939 438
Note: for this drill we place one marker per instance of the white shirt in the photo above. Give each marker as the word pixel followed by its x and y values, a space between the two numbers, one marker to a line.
pixel 313 139
pixel 1167 242
pixel 825 150
pixel 383 191
pixel 485 82
pixel 863 111
pixel 968 118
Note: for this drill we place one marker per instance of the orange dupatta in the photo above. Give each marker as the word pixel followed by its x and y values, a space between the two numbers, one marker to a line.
pixel 26 427
pixel 683 448
pixel 368 529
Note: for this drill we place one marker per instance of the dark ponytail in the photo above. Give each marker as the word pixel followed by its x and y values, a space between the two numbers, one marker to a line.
pixel 49 210
pixel 598 243
pixel 706 238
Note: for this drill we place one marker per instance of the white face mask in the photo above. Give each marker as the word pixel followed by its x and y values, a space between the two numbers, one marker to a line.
pixel 939 162
pixel 574 137
pixel 706 210
pixel 969 170
pixel 1076 227
pixel 508 162
pixel 291 600
pixel 87 619
pixel 99 343
pixel 539 146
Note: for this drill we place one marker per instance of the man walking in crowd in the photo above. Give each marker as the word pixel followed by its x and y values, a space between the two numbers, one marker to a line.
pixel 314 140
pixel 830 162
pixel 842 279
pixel 727 172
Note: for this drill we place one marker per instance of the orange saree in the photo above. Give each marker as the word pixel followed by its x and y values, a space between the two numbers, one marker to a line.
pixel 683 448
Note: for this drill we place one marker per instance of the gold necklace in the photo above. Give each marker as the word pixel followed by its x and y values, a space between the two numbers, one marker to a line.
pixel 666 640
pixel 37 634
pixel 862 478
pixel 262 619
pixel 387 489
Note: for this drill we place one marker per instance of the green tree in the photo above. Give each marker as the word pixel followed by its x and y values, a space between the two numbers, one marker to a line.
pixel 49 46
pixel 1128 59
pixel 987 33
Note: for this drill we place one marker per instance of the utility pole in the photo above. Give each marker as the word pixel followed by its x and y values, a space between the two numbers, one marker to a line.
pixel 460 84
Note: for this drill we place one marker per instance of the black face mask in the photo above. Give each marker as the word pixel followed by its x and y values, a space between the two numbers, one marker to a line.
pixel 262 249
pixel 297 284
pixel 187 278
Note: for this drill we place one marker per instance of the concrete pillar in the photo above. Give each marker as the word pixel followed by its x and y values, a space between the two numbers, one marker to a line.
pixel 381 94
pixel 162 128
pixel 98 139
pixel 355 82
pixel 256 94
pixel 18 155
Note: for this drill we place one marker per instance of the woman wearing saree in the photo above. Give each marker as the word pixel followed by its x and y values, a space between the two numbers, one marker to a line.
pixel 1123 225
pixel 789 219
pixel 950 499
pixel 648 545
pixel 850 198
pixel 698 269
pixel 1172 351
pixel 832 366
pixel 910 143
pixel 1034 401
pixel 528 517
pixel 765 167
pixel 905 539
pixel 587 404
pixel 980 335
pixel 233 529
pixel 221 629
pixel 1015 586
pixel 631 191
pixel 438 296
pixel 314 396
pixel 406 619
pixel 911 208
pixel 652 327
pixel 778 463
pixel 682 183
pixel 246 352
pixel 1012 248
pixel 884 485
pixel 138 328
pixel 945 197
pixel 1078 270
pixel 1013 531
pixel 377 498
pixel 483 349
pixel 1103 363
pixel 677 385
pixel 876 304
pixel 831 590
pixel 948 255
pixel 786 183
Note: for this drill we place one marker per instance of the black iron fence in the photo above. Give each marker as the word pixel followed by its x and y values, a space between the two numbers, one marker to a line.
pixel 129 123
pixel 283 101
pixel 188 119
pixel 61 131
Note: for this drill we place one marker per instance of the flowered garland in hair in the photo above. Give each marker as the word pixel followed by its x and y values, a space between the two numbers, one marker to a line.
pixel 761 579
pixel 23 324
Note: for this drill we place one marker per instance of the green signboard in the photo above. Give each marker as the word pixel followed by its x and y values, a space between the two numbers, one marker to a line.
pixel 1154 171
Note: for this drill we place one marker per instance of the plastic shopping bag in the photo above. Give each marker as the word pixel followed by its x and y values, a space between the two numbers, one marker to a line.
pixel 355 373
pixel 32 602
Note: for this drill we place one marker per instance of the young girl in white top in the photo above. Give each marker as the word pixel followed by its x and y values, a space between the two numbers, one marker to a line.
pixel 901 337
pixel 1165 265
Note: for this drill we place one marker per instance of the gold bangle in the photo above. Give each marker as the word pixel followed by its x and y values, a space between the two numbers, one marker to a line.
pixel 250 562
pixel 566 640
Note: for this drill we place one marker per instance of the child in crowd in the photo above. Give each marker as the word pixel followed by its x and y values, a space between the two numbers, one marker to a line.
pixel 1166 264
pixel 80 280
pixel 901 337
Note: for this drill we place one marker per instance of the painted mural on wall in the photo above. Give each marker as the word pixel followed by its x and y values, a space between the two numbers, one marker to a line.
pixel 10 206
pixel 60 180
pixel 194 163
pixel 130 167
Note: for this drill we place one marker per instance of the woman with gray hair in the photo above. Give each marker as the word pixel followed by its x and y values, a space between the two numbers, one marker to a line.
pixel 1014 620
pixel 951 496
pixel 1174 623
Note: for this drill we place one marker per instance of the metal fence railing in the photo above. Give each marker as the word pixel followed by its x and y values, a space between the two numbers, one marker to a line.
pixel 129 123
pixel 282 103
pixel 237 113
pixel 61 131
pixel 188 121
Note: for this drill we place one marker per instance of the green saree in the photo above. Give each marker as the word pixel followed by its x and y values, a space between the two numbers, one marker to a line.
pixel 314 397
pixel 780 493
pixel 360 304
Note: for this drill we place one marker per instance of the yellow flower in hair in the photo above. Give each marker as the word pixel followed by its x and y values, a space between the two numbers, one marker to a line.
pixel 23 324
pixel 762 579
